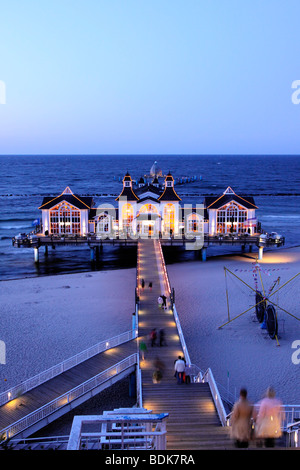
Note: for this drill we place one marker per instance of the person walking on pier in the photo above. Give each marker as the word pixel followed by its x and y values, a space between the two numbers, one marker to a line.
pixel 143 349
pixel 241 416
pixel 159 368
pixel 164 298
pixel 269 418
pixel 162 338
pixel 179 369
pixel 153 337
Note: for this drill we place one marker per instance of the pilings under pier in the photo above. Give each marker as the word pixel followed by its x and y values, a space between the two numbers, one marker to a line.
pixel 36 254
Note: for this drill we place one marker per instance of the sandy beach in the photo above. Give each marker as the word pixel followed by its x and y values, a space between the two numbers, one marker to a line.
pixel 241 349
pixel 48 319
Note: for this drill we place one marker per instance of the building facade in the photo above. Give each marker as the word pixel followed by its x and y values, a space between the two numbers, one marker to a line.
pixel 148 209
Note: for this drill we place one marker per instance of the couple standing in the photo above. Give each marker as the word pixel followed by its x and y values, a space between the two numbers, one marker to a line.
pixel 267 417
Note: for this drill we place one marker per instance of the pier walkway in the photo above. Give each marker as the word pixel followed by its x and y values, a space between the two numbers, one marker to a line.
pixel 31 410
pixel 193 422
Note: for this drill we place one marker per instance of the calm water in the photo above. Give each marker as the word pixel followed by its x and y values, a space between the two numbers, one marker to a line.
pixel 274 181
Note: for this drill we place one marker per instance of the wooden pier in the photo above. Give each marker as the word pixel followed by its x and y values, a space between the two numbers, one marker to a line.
pixel 193 422
pixel 95 243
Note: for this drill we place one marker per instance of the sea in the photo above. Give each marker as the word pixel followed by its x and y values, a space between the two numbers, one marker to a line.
pixel 273 181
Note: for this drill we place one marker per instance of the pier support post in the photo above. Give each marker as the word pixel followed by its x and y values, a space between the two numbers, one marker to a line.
pixel 46 250
pixel 36 254
pixel 243 248
pixel 250 248
pixel 203 254
pixel 92 250
pixel 260 252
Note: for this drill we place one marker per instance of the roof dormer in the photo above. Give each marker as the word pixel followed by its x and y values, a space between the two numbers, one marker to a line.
pixel 127 181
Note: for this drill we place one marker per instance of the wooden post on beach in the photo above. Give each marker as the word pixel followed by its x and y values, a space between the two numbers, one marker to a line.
pixel 260 252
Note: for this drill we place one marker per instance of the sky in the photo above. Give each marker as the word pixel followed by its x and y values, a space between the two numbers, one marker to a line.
pixel 149 77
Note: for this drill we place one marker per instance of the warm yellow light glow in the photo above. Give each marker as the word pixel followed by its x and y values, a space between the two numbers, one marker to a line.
pixel 175 337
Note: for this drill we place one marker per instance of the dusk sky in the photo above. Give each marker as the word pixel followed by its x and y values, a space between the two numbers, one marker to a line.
pixel 149 76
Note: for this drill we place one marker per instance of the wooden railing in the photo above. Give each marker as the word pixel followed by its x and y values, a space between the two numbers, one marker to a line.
pixel 130 431
pixel 68 397
pixel 58 369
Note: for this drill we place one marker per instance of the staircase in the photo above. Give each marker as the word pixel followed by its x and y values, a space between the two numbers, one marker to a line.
pixel 193 422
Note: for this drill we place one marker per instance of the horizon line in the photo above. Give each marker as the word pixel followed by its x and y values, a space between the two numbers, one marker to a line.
pixel 149 154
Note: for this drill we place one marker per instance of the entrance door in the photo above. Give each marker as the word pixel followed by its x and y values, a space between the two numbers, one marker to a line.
pixel 148 229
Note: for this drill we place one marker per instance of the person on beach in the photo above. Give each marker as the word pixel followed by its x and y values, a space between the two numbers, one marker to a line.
pixel 179 369
pixel 143 283
pixel 150 285
pixel 269 419
pixel 241 421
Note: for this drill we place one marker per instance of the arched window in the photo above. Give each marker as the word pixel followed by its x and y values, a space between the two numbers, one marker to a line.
pixel 103 223
pixel 231 218
pixel 169 217
pixel 148 208
pixel 64 218
pixel 127 215
pixel 194 223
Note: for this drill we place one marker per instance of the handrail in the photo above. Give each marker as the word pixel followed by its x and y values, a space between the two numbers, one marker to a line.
pixel 182 340
pixel 139 385
pixel 208 377
pixel 165 271
pixel 176 317
pixel 122 430
pixel 293 434
pixel 68 397
pixel 291 425
pixel 65 365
